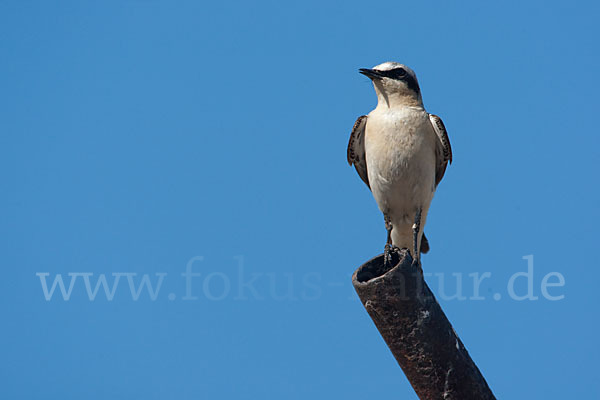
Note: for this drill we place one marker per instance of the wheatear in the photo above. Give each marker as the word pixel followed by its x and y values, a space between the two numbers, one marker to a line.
pixel 401 152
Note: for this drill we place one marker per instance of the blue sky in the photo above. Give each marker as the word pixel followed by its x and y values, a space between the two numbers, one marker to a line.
pixel 140 137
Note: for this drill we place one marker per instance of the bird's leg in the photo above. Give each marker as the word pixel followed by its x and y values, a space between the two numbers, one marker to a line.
pixel 416 231
pixel 387 256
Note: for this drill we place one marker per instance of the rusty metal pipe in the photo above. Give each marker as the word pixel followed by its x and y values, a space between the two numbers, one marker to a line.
pixel 417 331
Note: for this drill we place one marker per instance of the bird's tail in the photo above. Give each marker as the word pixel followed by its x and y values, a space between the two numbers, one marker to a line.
pixel 424 244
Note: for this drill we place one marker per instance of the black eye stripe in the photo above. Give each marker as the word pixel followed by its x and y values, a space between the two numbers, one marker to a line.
pixel 396 73
pixel 402 75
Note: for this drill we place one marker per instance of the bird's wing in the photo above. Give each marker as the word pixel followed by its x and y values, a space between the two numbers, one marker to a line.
pixel 356 149
pixel 444 153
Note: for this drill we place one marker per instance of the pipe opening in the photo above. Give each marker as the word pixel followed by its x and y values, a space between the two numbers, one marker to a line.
pixel 376 268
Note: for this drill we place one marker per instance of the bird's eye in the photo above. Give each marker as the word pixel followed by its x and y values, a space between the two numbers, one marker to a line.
pixel 399 72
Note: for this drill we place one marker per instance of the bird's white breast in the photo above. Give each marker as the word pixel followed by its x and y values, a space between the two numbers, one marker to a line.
pixel 400 153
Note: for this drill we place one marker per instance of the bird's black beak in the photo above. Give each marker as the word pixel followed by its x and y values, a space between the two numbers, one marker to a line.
pixel 371 73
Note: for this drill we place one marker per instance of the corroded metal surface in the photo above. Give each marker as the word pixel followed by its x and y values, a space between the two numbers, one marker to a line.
pixel 417 331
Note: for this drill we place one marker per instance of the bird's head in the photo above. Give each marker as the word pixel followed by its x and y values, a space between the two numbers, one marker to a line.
pixel 395 84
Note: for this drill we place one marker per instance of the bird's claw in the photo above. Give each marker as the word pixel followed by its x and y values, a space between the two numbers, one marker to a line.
pixel 387 254
pixel 416 262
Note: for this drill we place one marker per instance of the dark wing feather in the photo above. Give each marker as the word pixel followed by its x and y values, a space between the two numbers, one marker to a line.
pixel 356 149
pixel 444 155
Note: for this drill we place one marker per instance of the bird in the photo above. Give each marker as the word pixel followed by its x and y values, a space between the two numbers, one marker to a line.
pixel 401 152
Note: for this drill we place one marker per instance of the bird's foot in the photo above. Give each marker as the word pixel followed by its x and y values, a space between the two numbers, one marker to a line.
pixel 416 262
pixel 387 255
pixel 388 252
